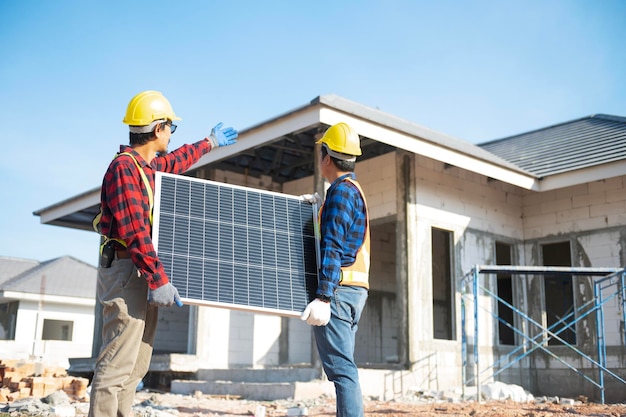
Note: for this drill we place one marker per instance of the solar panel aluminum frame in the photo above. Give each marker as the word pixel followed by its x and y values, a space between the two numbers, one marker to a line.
pixel 236 247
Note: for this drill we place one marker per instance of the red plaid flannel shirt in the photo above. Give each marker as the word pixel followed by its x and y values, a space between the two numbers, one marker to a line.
pixel 126 208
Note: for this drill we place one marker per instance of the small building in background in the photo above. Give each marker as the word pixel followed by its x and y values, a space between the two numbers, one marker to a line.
pixel 46 309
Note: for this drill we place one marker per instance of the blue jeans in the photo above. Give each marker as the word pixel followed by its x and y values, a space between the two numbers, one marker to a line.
pixel 335 344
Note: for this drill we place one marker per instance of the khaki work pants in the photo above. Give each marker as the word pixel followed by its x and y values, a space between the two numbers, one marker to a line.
pixel 129 326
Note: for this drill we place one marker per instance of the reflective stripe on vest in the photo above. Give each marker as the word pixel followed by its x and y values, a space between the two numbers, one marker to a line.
pixel 144 178
pixel 357 274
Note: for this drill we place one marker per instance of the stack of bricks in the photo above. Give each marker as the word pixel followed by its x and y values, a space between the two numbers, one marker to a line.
pixel 22 379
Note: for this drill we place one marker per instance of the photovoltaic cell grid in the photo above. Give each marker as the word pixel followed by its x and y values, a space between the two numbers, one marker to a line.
pixel 235 247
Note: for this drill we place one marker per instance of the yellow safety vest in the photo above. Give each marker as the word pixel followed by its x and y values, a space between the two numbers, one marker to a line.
pixel 96 220
pixel 357 274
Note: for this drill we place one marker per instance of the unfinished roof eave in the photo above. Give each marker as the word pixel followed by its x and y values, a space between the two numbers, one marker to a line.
pixel 50 214
pixel 422 141
pixel 330 109
pixel 582 176
pixel 266 132
pixel 377 125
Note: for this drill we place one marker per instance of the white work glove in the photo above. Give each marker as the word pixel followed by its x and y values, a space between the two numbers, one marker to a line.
pixel 312 198
pixel 317 313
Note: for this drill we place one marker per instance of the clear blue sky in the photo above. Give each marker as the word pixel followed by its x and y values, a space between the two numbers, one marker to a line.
pixel 476 70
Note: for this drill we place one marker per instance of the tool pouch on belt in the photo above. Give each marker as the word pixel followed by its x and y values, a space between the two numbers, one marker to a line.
pixel 107 255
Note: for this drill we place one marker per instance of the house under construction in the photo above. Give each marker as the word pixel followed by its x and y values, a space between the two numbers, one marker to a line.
pixel 553 198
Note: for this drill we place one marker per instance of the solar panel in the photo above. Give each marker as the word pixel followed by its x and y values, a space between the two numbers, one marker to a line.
pixel 236 247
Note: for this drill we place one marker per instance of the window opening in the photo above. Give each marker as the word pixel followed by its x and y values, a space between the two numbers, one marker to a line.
pixel 559 294
pixel 57 330
pixel 506 336
pixel 442 284
pixel 8 320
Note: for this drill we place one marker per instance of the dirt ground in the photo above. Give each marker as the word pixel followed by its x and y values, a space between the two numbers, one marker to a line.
pixel 203 405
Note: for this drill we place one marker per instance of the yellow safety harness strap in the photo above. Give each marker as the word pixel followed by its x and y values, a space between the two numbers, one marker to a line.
pixel 144 177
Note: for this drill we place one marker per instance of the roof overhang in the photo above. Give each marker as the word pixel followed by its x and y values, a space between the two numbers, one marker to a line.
pixel 76 212
pixel 380 127
pixel 282 147
pixel 431 144
pixel 581 176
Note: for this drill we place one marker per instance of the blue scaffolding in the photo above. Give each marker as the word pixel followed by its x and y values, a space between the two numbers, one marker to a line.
pixel 609 278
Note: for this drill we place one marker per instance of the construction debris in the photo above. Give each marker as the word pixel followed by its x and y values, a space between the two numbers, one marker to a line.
pixel 23 379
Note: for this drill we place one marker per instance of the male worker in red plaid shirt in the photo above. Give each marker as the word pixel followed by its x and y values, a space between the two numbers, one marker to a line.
pixel 132 283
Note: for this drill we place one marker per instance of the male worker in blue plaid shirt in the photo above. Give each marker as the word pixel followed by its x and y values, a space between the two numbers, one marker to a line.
pixel 344 267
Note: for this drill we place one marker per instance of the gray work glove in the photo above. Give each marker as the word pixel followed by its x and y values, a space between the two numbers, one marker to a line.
pixel 164 296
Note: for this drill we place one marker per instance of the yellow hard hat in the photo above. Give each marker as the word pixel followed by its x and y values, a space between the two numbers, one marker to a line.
pixel 147 107
pixel 343 139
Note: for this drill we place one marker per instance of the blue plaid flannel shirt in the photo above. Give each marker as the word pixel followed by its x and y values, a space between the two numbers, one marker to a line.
pixel 342 228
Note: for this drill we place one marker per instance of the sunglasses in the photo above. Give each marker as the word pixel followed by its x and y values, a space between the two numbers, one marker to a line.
pixel 171 125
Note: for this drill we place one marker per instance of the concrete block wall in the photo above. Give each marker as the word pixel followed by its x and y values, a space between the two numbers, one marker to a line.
pixel 299 186
pixel 603 248
pixel 172 334
pixel 477 211
pixel 462 203
pixel 377 339
pixel 377 176
pixel 266 347
pixel 300 342
pixel 241 339
pixel 383 257
pixel 263 182
pixel 590 206
pixel 591 217
pixel 212 331
pixel 438 366
pixel 455 198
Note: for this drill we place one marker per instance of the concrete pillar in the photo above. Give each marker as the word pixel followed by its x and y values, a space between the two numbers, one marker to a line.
pixel 405 245
pixel 212 336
